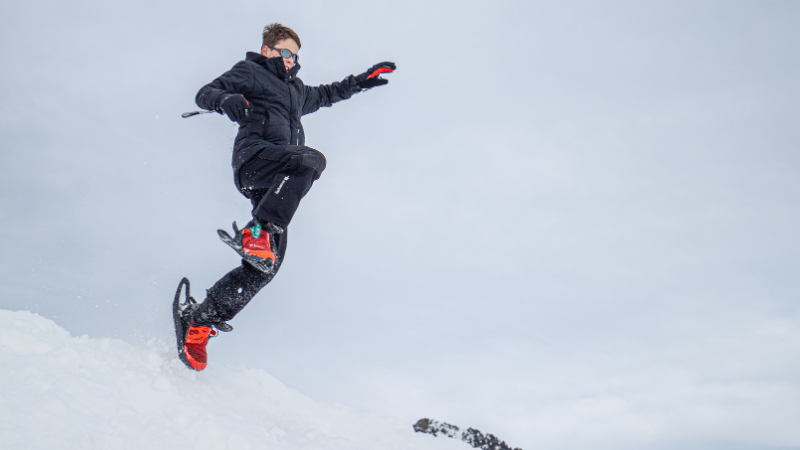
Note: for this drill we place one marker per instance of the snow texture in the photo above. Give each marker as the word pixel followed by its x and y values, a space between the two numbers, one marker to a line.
pixel 58 391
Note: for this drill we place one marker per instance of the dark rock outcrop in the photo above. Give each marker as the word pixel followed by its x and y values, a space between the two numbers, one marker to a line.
pixel 472 436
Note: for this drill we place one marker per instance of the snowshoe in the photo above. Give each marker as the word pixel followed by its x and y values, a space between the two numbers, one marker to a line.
pixel 191 338
pixel 255 244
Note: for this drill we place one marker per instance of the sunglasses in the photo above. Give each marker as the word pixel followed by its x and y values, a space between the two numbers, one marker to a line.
pixel 285 53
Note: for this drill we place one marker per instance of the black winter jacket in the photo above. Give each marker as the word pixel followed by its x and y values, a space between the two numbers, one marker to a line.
pixel 277 101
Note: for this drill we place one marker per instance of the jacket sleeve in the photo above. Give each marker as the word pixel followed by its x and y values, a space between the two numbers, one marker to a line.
pixel 328 94
pixel 238 80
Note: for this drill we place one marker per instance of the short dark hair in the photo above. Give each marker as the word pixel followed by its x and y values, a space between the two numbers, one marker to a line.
pixel 275 32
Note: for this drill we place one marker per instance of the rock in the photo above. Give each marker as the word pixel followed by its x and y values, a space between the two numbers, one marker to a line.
pixel 472 436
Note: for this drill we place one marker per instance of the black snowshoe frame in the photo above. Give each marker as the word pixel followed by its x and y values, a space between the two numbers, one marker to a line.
pixel 181 325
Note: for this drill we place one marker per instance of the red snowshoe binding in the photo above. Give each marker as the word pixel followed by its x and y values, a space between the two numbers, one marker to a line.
pixel 255 244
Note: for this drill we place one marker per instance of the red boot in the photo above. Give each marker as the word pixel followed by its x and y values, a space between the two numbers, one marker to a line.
pixel 256 242
pixel 191 338
pixel 194 346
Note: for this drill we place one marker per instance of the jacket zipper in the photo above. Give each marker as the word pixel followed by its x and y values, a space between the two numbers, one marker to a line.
pixel 291 113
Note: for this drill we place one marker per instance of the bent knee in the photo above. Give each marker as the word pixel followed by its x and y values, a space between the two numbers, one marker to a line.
pixel 314 159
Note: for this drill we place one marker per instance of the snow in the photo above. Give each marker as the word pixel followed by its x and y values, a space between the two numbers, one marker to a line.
pixel 59 391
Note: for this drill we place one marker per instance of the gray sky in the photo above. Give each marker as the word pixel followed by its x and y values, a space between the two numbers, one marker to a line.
pixel 571 224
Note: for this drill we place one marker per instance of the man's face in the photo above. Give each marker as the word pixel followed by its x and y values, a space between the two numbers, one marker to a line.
pixel 288 44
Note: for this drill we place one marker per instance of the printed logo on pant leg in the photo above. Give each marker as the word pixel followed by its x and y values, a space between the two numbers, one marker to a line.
pixel 281 185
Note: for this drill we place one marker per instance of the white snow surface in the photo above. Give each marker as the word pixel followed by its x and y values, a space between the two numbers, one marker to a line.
pixel 59 391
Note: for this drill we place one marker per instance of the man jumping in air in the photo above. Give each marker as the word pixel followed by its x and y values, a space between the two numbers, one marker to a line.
pixel 271 166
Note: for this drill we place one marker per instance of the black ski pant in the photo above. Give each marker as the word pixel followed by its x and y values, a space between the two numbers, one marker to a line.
pixel 234 291
pixel 278 178
pixel 275 181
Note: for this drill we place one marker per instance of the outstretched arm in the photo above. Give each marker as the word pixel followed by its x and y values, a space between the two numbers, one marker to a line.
pixel 328 94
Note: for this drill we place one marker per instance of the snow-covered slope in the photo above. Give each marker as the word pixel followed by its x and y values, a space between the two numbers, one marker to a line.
pixel 58 391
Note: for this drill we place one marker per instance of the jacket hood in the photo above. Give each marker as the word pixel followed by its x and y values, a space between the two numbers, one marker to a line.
pixel 273 65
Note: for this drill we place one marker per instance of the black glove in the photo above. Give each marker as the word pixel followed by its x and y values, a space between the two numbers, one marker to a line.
pixel 371 77
pixel 235 106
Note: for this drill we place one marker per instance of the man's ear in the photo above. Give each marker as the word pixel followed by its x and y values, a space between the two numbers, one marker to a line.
pixel 264 50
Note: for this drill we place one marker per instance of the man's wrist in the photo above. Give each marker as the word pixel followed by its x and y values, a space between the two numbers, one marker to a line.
pixel 218 102
pixel 352 81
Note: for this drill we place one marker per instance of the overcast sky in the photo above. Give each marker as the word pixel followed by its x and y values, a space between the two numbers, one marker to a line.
pixel 570 224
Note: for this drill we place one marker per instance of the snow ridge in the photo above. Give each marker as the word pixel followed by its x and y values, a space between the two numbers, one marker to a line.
pixel 59 391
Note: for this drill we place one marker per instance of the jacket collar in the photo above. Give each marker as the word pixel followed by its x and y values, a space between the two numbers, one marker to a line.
pixel 274 65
